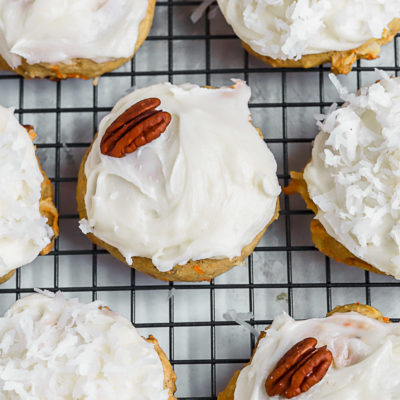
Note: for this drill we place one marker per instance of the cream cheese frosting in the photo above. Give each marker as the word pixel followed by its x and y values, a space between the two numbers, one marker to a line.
pixel 204 189
pixel 57 348
pixel 23 230
pixel 353 176
pixel 366 358
pixel 289 29
pixel 56 31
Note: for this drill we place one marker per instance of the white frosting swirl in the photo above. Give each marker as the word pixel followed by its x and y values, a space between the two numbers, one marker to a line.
pixel 57 30
pixel 204 189
pixel 23 231
pixel 354 176
pixel 289 29
pixel 366 358
pixel 57 348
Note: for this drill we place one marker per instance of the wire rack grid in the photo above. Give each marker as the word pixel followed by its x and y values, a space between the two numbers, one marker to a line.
pixel 285 273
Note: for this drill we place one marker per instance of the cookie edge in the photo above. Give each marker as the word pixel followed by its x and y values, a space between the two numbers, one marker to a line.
pixel 46 207
pixel 82 68
pixel 341 61
pixel 363 309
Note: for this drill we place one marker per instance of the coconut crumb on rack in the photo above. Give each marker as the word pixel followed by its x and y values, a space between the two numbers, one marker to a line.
pixel 200 10
pixel 85 226
pixel 241 319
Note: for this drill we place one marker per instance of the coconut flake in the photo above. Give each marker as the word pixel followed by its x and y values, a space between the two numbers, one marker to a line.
pixel 213 12
pixel 356 159
pixel 46 292
pixel 200 10
pixel 66 148
pixel 58 348
pixel 240 319
pixel 85 226
pixel 288 29
pixel 383 74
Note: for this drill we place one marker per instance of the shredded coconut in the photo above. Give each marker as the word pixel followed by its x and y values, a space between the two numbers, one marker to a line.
pixel 200 10
pixel 240 319
pixel 289 29
pixel 45 292
pixel 85 226
pixel 354 175
pixel 57 348
pixel 68 152
pixel 171 293
pixel 213 12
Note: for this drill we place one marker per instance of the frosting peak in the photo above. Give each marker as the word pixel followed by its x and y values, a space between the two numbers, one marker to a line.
pixel 204 189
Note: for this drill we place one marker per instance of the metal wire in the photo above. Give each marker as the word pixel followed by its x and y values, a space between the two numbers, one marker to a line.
pixel 288 249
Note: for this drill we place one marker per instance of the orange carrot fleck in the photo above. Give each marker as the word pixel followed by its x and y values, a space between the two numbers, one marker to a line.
pixel 385 319
pixel 198 269
pixel 77 76
pixel 358 303
pixel 347 324
pixel 61 76
pixel 32 134
pixel 58 73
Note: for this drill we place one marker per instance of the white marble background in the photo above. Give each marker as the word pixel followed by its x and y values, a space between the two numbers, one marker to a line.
pixel 188 319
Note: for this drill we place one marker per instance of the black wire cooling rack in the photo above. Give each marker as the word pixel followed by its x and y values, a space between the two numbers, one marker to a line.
pixel 284 273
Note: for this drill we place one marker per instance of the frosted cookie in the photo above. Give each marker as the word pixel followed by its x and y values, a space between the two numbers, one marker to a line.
pixel 351 354
pixel 58 348
pixel 352 182
pixel 28 217
pixel 60 39
pixel 300 33
pixel 178 183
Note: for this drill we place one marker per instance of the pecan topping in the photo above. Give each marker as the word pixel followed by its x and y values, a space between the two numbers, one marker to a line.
pixel 299 369
pixel 138 125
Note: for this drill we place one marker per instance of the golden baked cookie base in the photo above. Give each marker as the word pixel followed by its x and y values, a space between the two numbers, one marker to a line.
pixel 368 311
pixel 83 68
pixel 169 374
pixel 193 271
pixel 322 240
pixel 6 277
pixel 341 61
pixel 46 207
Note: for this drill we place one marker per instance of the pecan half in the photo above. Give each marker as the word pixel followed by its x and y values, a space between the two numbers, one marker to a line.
pixel 299 369
pixel 138 125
